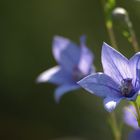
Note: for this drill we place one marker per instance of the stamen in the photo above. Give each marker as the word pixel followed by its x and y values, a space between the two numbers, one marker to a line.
pixel 126 86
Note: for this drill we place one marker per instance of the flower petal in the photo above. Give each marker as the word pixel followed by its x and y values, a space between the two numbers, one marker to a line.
pixel 134 97
pixel 130 117
pixel 61 90
pixel 111 103
pixel 66 53
pixel 101 85
pixel 54 75
pixel 86 59
pixel 134 63
pixel 134 135
pixel 59 44
pixel 115 64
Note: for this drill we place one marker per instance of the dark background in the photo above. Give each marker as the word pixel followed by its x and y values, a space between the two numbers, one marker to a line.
pixel 28 110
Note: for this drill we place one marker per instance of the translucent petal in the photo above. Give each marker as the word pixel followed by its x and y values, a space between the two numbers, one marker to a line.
pixel 61 90
pixel 115 64
pixel 101 85
pixel 86 59
pixel 130 117
pixel 54 75
pixel 66 53
pixel 134 63
pixel 134 135
pixel 111 103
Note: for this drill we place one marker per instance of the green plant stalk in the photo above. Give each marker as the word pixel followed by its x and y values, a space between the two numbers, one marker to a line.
pixel 132 34
pixel 109 26
pixel 138 112
pixel 114 127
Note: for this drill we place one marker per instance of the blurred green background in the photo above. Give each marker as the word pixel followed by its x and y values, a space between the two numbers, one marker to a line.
pixel 27 109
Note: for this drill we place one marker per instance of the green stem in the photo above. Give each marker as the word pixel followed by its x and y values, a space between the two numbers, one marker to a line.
pixel 132 33
pixel 138 112
pixel 115 129
pixel 111 34
pixel 109 26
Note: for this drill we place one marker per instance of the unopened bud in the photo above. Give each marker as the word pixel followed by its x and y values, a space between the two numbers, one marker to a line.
pixel 120 13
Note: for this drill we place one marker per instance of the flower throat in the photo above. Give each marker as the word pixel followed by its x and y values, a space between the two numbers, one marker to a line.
pixel 126 86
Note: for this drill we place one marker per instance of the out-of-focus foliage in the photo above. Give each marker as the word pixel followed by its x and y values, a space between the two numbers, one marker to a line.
pixel 109 6
pixel 27 109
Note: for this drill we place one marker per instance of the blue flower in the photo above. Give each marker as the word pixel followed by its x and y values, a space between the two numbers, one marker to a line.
pixel 74 63
pixel 120 80
pixel 130 117
pixel 134 135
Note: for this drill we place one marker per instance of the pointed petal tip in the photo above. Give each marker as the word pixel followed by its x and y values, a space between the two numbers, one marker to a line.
pixel 38 79
pixel 58 94
pixel 80 83
pixel 106 46
pixel 104 43
pixel 47 75
pixel 62 90
pixel 57 37
pixel 59 40
pixel 110 106
pixel 138 53
pixel 57 98
pixel 111 103
pixel 83 39
pixel 41 78
pixel 83 79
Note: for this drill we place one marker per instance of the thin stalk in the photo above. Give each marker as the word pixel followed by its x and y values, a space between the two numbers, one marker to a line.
pixel 109 27
pixel 138 112
pixel 114 126
pixel 132 34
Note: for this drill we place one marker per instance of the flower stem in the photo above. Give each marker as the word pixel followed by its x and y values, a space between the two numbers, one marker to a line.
pixel 138 112
pixel 115 129
pixel 132 34
pixel 109 26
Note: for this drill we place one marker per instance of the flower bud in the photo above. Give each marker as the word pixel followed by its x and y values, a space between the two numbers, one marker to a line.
pixel 120 13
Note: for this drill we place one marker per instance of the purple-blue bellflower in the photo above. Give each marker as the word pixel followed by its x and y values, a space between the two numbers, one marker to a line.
pixel 74 63
pixel 130 118
pixel 134 135
pixel 120 80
